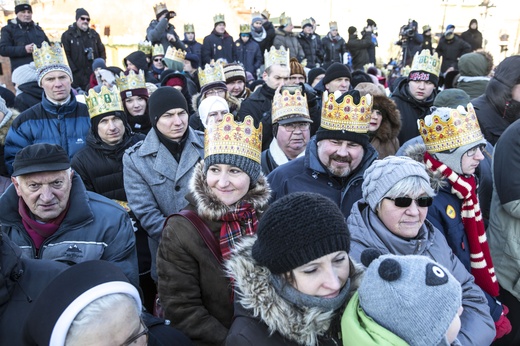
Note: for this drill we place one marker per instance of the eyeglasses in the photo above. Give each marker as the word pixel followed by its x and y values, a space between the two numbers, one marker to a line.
pixel 405 202
pixel 297 78
pixel 291 127
pixel 473 150
pixel 157 59
pixel 134 338
pixel 85 19
pixel 216 92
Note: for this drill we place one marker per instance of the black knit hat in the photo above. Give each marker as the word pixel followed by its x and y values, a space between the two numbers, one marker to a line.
pixel 352 30
pixel 359 76
pixel 22 7
pixel 81 12
pixel 297 229
pixel 315 72
pixel 41 157
pixel 336 70
pixel 162 100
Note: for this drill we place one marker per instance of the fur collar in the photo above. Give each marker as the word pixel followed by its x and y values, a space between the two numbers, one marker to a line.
pixel 416 152
pixel 391 122
pixel 6 123
pixel 209 207
pixel 256 294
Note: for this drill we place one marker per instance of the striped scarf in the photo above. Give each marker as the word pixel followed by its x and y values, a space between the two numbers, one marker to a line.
pixel 231 231
pixel 465 188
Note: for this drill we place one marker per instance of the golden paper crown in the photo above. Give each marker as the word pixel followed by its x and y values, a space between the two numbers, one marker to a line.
pixel 230 137
pixel 49 55
pixel 276 56
pixel 189 28
pixel 427 62
pixel 346 116
pixel 333 25
pixel 22 2
pixel 256 15
pixel 442 132
pixel 284 20
pixel 158 49
pixel 306 21
pixel 145 47
pixel 211 74
pixel 158 8
pixel 218 18
pixel 266 14
pixel 108 100
pixel 175 54
pixel 245 28
pixel 131 82
pixel 286 104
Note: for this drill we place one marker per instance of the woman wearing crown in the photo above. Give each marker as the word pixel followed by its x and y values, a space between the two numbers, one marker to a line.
pixel 227 194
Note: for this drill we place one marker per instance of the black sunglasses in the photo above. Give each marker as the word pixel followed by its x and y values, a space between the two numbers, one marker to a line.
pixel 157 59
pixel 85 18
pixel 405 202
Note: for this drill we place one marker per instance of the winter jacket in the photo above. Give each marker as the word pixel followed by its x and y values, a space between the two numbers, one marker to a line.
pixel 94 228
pixel 472 36
pixel 193 47
pixel 216 46
pixel 248 54
pixel 384 139
pixel 157 31
pixel 490 106
pixel 308 174
pixel 427 43
pixel 75 43
pixel 15 36
pixel 264 318
pixel 504 222
pixel 267 43
pixel 155 183
pixel 333 49
pixel 411 110
pixel 451 51
pixel 30 95
pixel 21 282
pixel 358 49
pixel 5 124
pixel 289 41
pixel 193 288
pixel 368 231
pixel 311 45
pixel 474 69
pixel 66 125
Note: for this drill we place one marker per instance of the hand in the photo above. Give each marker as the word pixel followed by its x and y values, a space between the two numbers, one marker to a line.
pixel 170 37
pixel 29 48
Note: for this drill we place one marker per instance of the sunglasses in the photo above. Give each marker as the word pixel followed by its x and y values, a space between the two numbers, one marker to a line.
pixel 85 19
pixel 157 59
pixel 405 202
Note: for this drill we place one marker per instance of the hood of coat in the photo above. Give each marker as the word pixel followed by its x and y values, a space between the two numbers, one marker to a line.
pixel 403 92
pixel 475 65
pixel 211 208
pixel 6 123
pixel 258 297
pixel 507 75
pixel 391 123
pixel 137 58
pixel 416 152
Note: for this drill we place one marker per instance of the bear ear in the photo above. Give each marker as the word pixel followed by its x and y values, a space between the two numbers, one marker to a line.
pixel 369 255
pixel 390 269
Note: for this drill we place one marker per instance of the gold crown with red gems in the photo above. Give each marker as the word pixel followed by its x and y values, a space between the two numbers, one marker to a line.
pixel 286 104
pixel 441 133
pixel 106 101
pixel 347 115
pixel 230 137
pixel 131 82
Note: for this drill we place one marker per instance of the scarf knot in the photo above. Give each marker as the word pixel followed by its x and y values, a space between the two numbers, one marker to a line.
pixel 236 223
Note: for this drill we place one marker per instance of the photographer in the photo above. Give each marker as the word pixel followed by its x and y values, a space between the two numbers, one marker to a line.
pixel 82 45
pixel 410 41
pixel 160 31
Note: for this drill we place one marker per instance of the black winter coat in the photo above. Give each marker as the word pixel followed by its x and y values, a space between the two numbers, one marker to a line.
pixel 333 49
pixel 193 47
pixel 15 36
pixel 248 54
pixel 31 95
pixel 473 37
pixel 157 32
pixel 311 45
pixel 358 49
pixel 451 51
pixel 267 43
pixel 216 46
pixel 75 41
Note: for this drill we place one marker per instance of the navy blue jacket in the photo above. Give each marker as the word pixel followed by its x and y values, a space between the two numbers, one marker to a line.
pixel 248 54
pixel 216 46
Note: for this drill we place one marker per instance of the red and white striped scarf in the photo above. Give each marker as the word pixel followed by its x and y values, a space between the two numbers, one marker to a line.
pixel 231 232
pixel 465 188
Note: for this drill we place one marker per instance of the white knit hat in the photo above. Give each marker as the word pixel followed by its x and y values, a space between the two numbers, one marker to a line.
pixel 24 74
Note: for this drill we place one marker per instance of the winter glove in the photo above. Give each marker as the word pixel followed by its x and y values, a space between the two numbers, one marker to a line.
pixel 503 326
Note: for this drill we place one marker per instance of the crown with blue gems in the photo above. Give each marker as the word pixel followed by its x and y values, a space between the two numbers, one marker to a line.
pixel 211 74
pixel 230 137
pixel 131 82
pixel 145 47
pixel 347 115
pixel 276 56
pixel 427 62
pixel 449 130
pixel 189 28
pixel 106 101
pixel 49 55
pixel 286 104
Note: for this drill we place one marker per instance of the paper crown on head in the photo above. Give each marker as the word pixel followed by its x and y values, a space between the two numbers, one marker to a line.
pixel 427 62
pixel 230 137
pixel 175 54
pixel 160 7
pixel 284 20
pixel 189 28
pixel 276 56
pixel 286 105
pixel 446 133
pixel 145 47
pixel 256 15
pixel 266 14
pixel 131 82
pixel 245 28
pixel 158 49
pixel 218 18
pixel 333 25
pixel 22 2
pixel 306 21
pixel 106 101
pixel 211 74
pixel 49 55
pixel 346 116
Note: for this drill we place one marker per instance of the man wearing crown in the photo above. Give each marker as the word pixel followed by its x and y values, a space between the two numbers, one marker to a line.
pixel 218 44
pixel 336 158
pixel 311 44
pixel 334 46
pixel 414 95
pixel 192 46
pixel 21 36
pixel 59 118
pixel 287 39
pixel 160 31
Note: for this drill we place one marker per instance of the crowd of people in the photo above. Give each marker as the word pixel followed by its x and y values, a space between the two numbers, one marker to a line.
pixel 263 191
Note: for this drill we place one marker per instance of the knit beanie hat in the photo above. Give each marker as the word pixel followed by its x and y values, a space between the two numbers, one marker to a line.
pixel 98 62
pixel 210 104
pixel 352 30
pixel 164 99
pixel 234 72
pixel 213 85
pixel 451 98
pixel 81 12
pixel 22 7
pixel 250 167
pixel 383 174
pixel 24 74
pixel 297 229
pixel 411 296
pixel 360 77
pixel 68 294
pixel 297 68
pixel 313 73
pixel 175 81
pixel 336 70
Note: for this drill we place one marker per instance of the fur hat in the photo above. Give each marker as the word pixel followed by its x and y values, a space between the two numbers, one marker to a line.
pixel 336 70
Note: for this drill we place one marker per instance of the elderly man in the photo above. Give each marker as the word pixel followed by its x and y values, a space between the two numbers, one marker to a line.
pixel 58 119
pixel 21 35
pixel 336 158
pixel 48 213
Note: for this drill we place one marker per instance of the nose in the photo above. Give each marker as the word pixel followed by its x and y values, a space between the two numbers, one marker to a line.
pixel 177 120
pixel 331 279
pixel 111 125
pixel 223 180
pixel 342 150
pixel 46 194
pixel 479 155
pixel 413 209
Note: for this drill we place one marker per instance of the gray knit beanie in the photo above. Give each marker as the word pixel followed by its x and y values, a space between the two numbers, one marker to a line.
pixel 383 174
pixel 411 296
pixel 24 74
pixel 250 167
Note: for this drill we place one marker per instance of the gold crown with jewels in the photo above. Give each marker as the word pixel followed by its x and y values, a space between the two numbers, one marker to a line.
pixel 131 82
pixel 175 54
pixel 446 132
pixel 284 20
pixel 145 47
pixel 427 62
pixel 245 28
pixel 276 56
pixel 230 137
pixel 49 55
pixel 158 49
pixel 347 115
pixel 286 104
pixel 333 25
pixel 189 28
pixel 218 18
pixel 211 74
pixel 108 100
pixel 22 2
pixel 158 8
pixel 306 21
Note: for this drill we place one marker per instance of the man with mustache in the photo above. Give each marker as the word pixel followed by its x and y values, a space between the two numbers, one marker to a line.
pixel 336 157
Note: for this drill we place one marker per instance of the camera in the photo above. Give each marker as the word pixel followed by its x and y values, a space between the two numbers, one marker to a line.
pixel 90 53
pixel 171 14
pixel 407 30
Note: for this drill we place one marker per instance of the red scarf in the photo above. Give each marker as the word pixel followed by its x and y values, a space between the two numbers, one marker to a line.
pixel 465 188
pixel 231 231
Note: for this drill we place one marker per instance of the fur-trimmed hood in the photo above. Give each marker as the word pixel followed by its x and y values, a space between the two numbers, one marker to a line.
pixel 209 207
pixel 391 122
pixel 256 294
pixel 5 124
pixel 416 152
